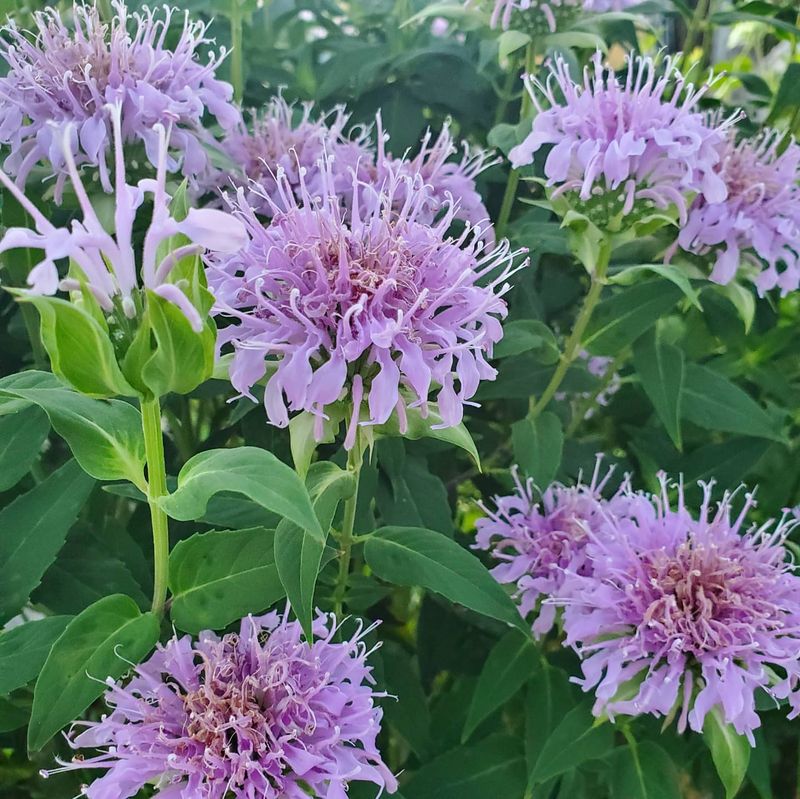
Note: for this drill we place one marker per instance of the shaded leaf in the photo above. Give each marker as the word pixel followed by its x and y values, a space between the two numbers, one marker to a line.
pixel 493 767
pixel 575 740
pixel 219 577
pixel 409 715
pixel 24 649
pixel 623 317
pixel 413 556
pixel 99 643
pixel 509 666
pixel 34 527
pixel 643 772
pixel 660 367
pixel 21 437
pixel 712 401
pixel 538 446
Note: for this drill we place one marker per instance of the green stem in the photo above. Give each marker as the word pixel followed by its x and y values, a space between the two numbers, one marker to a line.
pixel 508 202
pixel 513 178
pixel 696 25
pixel 572 347
pixel 346 539
pixel 156 488
pixel 237 60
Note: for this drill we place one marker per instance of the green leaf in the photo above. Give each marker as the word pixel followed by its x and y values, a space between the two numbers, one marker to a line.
pixel 10 404
pixel 622 318
pixel 528 335
pixel 427 427
pixel 253 472
pixel 34 527
pixel 743 300
pixel 511 663
pixel 80 350
pixel 99 643
pixel 409 715
pixel 181 359
pixel 577 40
pixel 298 555
pixel 219 577
pixel 21 437
pixel 509 42
pixel 24 649
pixel 631 274
pixel 713 402
pixel 549 698
pixel 643 772
pixel 724 18
pixel 12 716
pixel 729 751
pixel 413 556
pixel 661 369
pixel 759 769
pixel 787 98
pixel 574 741
pixel 105 436
pixel 538 445
pixel 493 767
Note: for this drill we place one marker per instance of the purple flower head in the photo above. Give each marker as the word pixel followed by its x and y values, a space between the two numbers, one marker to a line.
pixel 537 543
pixel 623 150
pixel 371 305
pixel 277 142
pixel 261 713
pixel 107 263
pixel 758 224
pixel 67 77
pixel 539 17
pixel 684 615
pixel 446 181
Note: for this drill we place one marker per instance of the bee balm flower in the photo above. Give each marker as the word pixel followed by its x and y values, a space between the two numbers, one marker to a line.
pixel 685 615
pixel 108 263
pixel 68 77
pixel 758 224
pixel 259 713
pixel 546 16
pixel 621 150
pixel 277 142
pixel 538 543
pixel 368 306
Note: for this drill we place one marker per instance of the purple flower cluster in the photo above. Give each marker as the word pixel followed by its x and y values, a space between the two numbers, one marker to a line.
pixel 68 77
pixel 623 150
pixel 445 182
pixel 682 615
pixel 259 713
pixel 547 16
pixel 278 141
pixel 107 263
pixel 370 306
pixel 671 614
pixel 759 221
pixel 275 142
pixel 539 543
